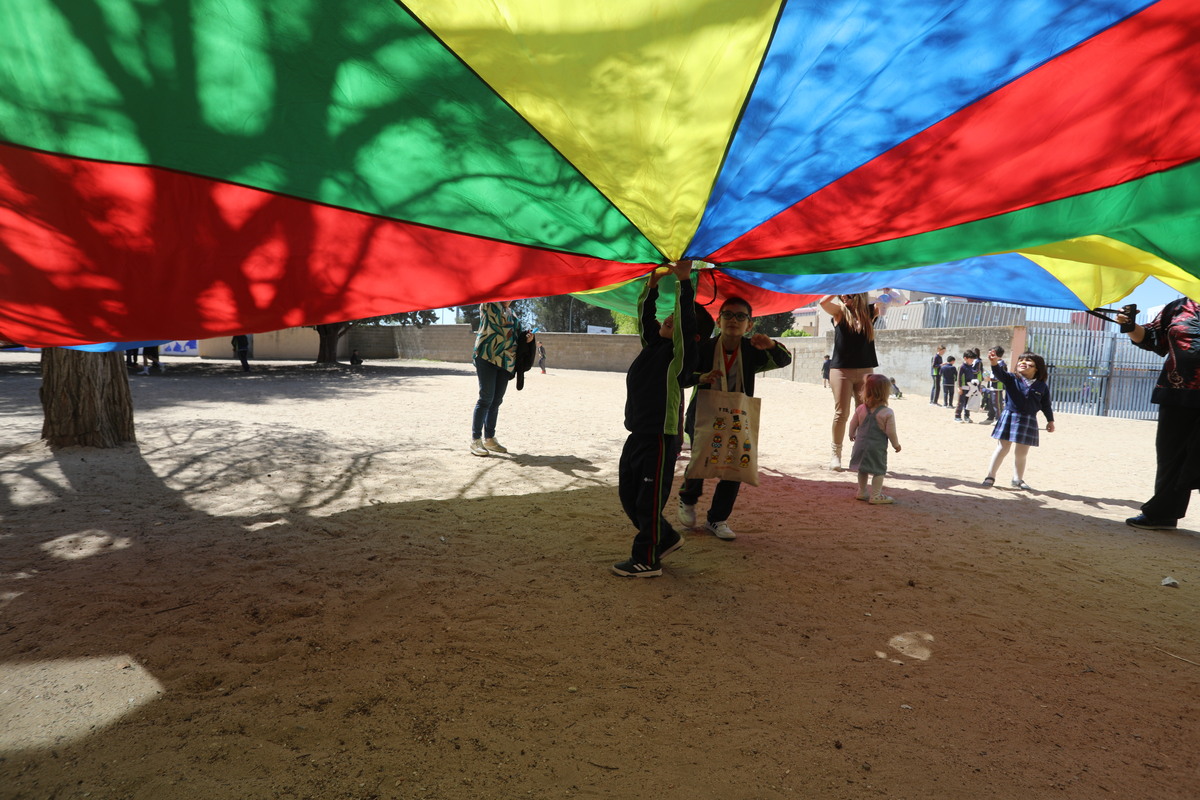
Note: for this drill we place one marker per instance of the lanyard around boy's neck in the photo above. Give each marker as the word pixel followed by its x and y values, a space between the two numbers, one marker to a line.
pixel 725 363
pixel 730 358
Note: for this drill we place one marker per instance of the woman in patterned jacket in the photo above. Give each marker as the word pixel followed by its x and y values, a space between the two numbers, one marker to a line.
pixel 495 357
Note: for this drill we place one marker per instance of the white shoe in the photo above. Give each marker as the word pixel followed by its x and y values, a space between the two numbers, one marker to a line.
pixel 835 459
pixel 687 515
pixel 721 530
pixel 493 446
pixel 881 500
pixel 145 371
pixel 478 449
pixel 861 496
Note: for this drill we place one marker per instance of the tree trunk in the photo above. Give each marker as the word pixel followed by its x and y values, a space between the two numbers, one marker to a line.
pixel 328 336
pixel 85 399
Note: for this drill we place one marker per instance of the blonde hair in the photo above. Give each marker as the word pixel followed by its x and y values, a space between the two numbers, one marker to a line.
pixel 876 389
pixel 858 315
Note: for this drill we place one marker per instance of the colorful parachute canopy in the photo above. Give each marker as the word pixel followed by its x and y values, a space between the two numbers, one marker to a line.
pixel 173 170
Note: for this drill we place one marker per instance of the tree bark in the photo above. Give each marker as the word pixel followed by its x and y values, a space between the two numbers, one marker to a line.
pixel 328 336
pixel 85 399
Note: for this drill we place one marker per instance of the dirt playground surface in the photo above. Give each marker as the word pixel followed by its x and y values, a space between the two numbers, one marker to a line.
pixel 300 584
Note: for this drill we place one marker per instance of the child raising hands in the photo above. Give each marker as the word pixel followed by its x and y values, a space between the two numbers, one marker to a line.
pixel 1027 395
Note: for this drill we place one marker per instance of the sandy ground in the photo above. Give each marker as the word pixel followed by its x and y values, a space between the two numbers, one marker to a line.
pixel 300 585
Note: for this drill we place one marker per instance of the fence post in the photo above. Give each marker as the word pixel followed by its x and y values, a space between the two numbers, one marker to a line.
pixel 1110 360
pixel 1020 341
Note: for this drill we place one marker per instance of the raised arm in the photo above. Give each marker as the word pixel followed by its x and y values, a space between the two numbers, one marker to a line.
pixel 768 353
pixel 647 310
pixel 832 305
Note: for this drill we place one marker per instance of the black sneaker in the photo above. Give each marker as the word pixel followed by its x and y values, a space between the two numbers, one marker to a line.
pixel 1147 524
pixel 663 552
pixel 636 569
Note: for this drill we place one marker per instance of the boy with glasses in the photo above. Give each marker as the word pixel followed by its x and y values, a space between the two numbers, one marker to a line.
pixel 741 357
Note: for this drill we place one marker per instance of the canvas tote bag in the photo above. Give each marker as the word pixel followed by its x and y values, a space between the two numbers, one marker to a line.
pixel 725 441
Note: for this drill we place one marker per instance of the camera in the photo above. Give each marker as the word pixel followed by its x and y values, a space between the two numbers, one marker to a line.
pixel 1129 311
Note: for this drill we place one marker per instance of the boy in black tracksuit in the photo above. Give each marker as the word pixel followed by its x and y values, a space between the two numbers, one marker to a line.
pixel 653 416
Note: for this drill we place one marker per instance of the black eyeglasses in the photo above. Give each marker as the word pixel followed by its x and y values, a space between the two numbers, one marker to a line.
pixel 740 316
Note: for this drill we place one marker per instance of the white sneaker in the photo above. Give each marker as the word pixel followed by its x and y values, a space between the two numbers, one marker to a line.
pixel 478 449
pixel 721 530
pixel 862 496
pixel 881 500
pixel 145 371
pixel 835 458
pixel 687 515
pixel 494 446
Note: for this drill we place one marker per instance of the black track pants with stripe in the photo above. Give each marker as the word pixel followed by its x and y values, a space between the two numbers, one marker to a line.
pixel 646 474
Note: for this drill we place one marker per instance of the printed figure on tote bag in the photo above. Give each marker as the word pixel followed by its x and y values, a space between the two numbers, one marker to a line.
pixel 733 359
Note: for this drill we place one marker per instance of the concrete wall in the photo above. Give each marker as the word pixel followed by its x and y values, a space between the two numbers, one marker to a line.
pixel 609 352
pixel 433 342
pixel 903 354
pixel 904 349
pixel 289 344
pixel 605 352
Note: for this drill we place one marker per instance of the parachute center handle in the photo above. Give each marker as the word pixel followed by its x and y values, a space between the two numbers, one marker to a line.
pixel 664 269
pixel 1130 313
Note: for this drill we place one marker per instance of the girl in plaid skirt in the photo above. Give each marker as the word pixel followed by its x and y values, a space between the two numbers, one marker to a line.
pixel 1027 394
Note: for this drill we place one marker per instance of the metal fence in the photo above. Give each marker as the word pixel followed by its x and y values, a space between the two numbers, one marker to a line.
pixel 1094 369
pixel 1097 372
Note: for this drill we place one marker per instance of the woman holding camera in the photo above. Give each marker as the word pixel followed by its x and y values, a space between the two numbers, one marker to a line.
pixel 1174 333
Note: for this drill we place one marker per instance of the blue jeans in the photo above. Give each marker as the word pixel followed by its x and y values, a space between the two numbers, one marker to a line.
pixel 493 383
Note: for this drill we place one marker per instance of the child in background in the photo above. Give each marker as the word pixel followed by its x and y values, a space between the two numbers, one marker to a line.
pixel 949 377
pixel 968 372
pixel 874 424
pixel 935 371
pixel 1027 394
pixel 996 396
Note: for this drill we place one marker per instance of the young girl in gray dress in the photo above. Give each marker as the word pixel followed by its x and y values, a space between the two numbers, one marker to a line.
pixel 874 424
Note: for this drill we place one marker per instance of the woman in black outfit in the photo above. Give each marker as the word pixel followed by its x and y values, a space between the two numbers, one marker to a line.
pixel 853 358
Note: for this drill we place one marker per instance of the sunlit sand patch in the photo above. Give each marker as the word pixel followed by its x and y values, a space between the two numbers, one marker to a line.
pixel 84 545
pixel 914 644
pixel 258 526
pixel 48 703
